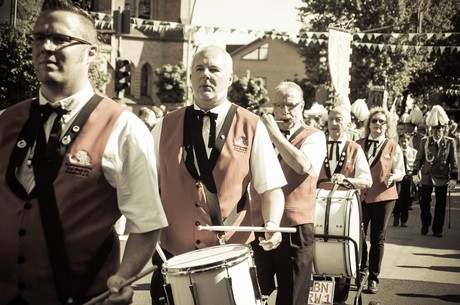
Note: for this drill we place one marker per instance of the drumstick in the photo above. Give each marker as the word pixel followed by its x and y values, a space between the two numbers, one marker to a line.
pixel 128 282
pixel 246 229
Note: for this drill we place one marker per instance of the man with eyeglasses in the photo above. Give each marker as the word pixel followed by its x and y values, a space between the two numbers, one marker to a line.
pixel 435 167
pixel 72 163
pixel 301 151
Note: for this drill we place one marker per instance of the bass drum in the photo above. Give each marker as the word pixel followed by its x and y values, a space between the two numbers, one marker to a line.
pixel 223 275
pixel 337 233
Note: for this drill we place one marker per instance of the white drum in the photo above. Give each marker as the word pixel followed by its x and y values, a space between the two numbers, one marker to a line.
pixel 219 275
pixel 337 225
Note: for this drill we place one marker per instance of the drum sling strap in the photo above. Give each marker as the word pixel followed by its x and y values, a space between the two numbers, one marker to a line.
pixel 70 287
pixel 193 139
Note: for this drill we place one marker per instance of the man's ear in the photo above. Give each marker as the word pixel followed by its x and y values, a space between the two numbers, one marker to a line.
pixel 92 53
pixel 230 79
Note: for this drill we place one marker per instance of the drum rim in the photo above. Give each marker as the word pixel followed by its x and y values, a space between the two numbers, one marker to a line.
pixel 176 271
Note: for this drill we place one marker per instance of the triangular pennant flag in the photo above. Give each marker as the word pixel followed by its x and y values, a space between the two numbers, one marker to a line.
pixel 405 48
pixel 369 36
pixel 429 35
pixel 447 35
pixel 395 35
pixel 361 35
pixel 442 49
pixel 417 49
pixel 411 36
pixel 392 48
pixel 377 35
pixel 439 36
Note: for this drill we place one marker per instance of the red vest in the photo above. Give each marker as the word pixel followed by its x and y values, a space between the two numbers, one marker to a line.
pixel 348 168
pixel 379 169
pixel 184 200
pixel 299 192
pixel 87 205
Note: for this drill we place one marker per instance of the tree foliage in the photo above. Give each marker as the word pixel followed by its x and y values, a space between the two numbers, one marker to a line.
pixel 248 92
pixel 18 81
pixel 415 73
pixel 171 83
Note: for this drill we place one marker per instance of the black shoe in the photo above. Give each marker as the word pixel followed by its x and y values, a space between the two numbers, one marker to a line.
pixel 424 230
pixel 395 222
pixel 372 287
pixel 437 234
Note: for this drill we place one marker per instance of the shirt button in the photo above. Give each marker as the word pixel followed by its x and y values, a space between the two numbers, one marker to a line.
pixel 27 205
pixel 22 232
pixel 197 204
pixel 197 223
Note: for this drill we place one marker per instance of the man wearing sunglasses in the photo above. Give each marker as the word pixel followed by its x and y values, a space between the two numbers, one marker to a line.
pixel 72 162
pixel 435 167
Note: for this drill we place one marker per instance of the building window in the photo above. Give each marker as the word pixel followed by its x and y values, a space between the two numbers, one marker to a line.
pixel 260 53
pixel 138 8
pixel 145 80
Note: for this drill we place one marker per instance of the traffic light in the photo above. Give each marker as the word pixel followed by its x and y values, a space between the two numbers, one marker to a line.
pixel 122 75
pixel 122 22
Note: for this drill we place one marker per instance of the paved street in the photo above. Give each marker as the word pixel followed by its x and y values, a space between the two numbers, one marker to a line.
pixel 417 270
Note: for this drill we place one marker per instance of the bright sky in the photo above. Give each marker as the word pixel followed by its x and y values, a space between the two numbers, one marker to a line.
pixel 281 15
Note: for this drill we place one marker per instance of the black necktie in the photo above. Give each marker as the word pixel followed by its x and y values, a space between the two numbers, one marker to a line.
pixel 212 119
pixel 286 133
pixel 331 148
pixel 53 139
pixel 376 143
pixel 405 160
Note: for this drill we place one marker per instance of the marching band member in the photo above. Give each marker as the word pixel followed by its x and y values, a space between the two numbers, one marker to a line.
pixel 387 167
pixel 436 164
pixel 61 194
pixel 406 186
pixel 301 151
pixel 345 163
pixel 207 155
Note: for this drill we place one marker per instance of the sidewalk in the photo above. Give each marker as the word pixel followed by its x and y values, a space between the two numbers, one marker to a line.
pixel 416 269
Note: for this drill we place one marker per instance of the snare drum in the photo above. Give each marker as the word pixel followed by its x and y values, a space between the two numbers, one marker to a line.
pixel 223 275
pixel 336 227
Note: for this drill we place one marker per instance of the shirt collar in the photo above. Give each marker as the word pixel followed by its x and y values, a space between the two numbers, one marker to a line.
pixel 341 139
pixel 73 103
pixel 379 138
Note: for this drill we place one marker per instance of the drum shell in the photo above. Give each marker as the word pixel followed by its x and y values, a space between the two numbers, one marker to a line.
pixel 207 269
pixel 337 256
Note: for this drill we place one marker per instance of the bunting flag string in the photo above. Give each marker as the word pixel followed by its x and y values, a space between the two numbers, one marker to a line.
pixel 398 41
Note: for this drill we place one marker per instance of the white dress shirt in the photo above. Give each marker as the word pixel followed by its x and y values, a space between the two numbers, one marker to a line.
pixel 266 171
pixel 398 159
pixel 314 148
pixel 127 164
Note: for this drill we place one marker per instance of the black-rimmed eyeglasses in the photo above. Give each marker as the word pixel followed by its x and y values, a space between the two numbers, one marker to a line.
pixel 56 39
pixel 288 106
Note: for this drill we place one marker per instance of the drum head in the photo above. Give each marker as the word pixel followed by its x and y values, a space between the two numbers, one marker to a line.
pixel 207 257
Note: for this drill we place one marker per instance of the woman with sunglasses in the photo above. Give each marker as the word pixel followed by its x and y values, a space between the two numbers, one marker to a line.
pixel 386 162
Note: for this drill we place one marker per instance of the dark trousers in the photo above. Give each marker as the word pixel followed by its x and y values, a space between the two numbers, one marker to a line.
pixel 401 210
pixel 439 208
pixel 291 262
pixel 156 285
pixel 377 214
